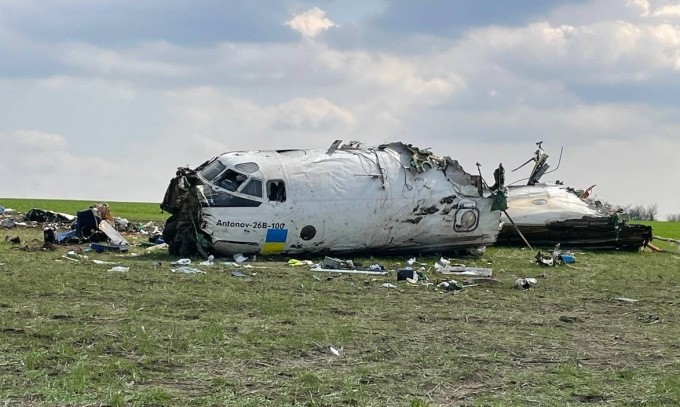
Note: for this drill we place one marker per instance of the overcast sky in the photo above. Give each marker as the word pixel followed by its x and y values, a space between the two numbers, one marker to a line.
pixel 104 99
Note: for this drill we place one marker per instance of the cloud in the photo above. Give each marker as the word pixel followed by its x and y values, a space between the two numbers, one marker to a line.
pixel 642 5
pixel 42 166
pixel 317 114
pixel 310 23
pixel 668 10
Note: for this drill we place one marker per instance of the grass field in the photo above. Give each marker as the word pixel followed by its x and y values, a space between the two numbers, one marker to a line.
pixel 669 230
pixel 73 333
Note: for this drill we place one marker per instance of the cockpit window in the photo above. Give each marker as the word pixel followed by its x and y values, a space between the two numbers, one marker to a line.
pixel 212 170
pixel 230 180
pixel 253 187
pixel 276 191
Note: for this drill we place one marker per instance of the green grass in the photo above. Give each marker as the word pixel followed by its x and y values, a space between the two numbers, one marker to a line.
pixel 73 333
pixel 133 211
pixel 669 230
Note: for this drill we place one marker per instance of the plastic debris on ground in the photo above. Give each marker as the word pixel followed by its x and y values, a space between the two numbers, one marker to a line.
pixel 239 258
pixel 525 283
pixel 626 300
pixel 555 258
pixel 464 271
pixel 389 285
pixel 296 263
pixel 73 256
pixel 181 262
pixel 120 269
pixel 187 270
pixel 104 262
pixel 209 261
pixel 238 274
pixel 451 285
pixel 411 276
pixel 334 265
pixel 335 351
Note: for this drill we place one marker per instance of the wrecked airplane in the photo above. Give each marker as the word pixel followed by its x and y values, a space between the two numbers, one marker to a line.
pixel 551 213
pixel 386 199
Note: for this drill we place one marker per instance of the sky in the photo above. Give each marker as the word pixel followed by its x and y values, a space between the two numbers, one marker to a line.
pixel 103 99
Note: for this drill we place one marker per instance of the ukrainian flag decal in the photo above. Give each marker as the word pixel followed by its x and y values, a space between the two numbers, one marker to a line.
pixel 275 241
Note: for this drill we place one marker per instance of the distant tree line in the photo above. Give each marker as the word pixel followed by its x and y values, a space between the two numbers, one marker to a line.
pixel 641 212
pixel 649 212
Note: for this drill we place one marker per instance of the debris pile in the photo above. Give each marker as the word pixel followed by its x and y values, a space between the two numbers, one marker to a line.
pixel 555 258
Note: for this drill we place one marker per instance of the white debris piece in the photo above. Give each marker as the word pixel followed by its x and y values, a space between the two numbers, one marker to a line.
pixel 187 270
pixel 104 262
pixel 120 269
pixel 208 262
pixel 525 283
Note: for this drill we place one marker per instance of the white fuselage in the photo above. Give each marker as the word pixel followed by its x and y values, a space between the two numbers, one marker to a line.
pixel 350 200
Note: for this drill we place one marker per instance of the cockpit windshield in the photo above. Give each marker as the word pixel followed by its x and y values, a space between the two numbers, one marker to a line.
pixel 230 180
pixel 212 170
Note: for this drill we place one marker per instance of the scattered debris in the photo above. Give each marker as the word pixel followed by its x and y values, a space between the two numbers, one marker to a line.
pixel 389 285
pixel 525 283
pixel 451 285
pixel 13 239
pixel 209 261
pixel 296 263
pixel 367 272
pixel 555 258
pixel 187 270
pixel 464 271
pixel 240 258
pixel 181 262
pixel 626 300
pixel 101 247
pixel 335 351
pixel 104 262
pixel 333 263
pixel 8 223
pixel 238 274
pixel 120 269
pixel 43 216
pixel 411 276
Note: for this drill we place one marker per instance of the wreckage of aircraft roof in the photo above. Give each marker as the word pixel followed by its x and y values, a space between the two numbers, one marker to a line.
pixel 548 214
pixel 393 198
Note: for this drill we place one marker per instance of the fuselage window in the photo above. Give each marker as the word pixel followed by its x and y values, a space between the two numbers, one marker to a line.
pixel 253 187
pixel 276 191
pixel 230 180
pixel 212 170
pixel 248 168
